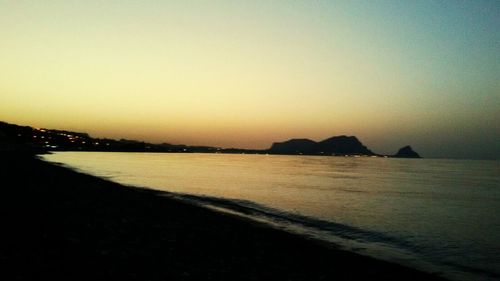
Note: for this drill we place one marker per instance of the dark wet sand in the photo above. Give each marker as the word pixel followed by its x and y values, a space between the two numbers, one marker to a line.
pixel 57 224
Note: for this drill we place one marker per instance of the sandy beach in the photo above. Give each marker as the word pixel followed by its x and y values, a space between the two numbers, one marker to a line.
pixel 58 224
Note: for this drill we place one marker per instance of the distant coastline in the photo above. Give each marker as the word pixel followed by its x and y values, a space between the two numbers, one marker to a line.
pixel 60 140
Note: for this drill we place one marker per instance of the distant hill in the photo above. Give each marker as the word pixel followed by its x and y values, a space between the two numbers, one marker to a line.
pixel 11 136
pixel 293 146
pixel 343 145
pixel 339 145
pixel 57 140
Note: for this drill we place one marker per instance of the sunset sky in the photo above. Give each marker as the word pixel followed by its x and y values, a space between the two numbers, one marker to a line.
pixel 248 73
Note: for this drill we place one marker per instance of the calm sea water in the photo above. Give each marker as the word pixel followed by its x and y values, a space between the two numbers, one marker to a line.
pixel 436 215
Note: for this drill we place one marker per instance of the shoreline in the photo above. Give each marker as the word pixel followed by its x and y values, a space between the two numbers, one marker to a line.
pixel 62 224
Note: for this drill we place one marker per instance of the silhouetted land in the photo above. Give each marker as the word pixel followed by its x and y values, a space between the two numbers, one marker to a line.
pixel 406 152
pixel 340 145
pixel 58 224
pixel 57 140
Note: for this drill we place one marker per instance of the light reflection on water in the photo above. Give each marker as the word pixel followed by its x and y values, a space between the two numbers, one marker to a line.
pixel 442 211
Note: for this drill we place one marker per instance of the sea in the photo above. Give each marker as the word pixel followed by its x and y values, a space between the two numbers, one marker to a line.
pixel 437 215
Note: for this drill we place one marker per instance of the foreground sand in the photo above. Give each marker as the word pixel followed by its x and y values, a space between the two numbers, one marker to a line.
pixel 61 225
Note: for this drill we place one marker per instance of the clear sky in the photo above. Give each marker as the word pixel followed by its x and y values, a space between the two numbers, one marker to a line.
pixel 248 73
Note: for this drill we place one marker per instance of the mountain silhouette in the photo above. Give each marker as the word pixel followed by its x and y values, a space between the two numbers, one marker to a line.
pixel 34 139
pixel 339 145
pixel 293 146
pixel 343 145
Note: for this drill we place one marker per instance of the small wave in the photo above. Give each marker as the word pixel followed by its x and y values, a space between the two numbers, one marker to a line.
pixel 345 232
pixel 278 216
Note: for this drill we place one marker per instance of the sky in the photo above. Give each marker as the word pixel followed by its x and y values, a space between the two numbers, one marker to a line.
pixel 248 73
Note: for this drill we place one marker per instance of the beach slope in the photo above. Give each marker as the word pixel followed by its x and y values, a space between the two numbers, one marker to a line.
pixel 58 224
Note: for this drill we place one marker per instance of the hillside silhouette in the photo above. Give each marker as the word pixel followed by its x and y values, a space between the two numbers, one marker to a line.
pixel 11 136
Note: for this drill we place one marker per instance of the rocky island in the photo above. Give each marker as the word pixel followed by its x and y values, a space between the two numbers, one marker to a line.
pixel 406 152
